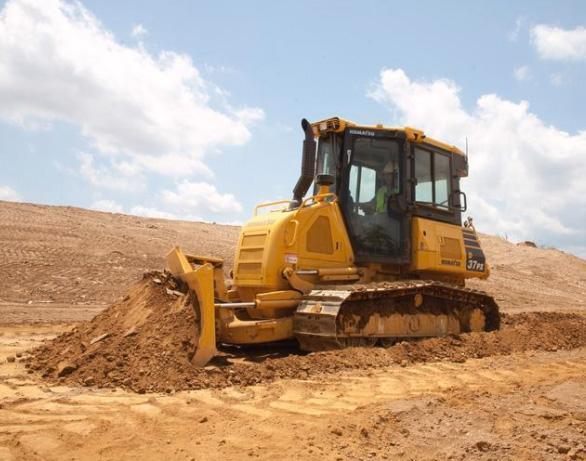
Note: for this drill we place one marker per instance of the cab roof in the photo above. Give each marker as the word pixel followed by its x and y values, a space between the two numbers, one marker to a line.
pixel 338 125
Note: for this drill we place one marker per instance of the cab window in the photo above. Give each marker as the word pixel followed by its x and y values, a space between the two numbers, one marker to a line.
pixel 328 153
pixel 362 185
pixel 432 172
pixel 442 180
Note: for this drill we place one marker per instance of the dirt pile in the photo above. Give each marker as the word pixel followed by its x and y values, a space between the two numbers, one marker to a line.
pixel 147 337
pixel 145 341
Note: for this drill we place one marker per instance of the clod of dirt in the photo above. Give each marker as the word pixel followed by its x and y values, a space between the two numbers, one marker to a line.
pixel 482 445
pixel 145 343
pixel 65 368
pixel 527 243
pixel 99 338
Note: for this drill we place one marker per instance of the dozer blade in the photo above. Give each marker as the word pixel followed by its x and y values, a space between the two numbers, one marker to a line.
pixel 201 281
pixel 332 319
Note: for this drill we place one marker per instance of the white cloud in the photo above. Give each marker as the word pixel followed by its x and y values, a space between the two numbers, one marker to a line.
pixel 121 176
pixel 189 201
pixel 112 206
pixel 559 44
pixel 526 177
pixel 8 194
pixel 557 79
pixel 154 113
pixel 196 198
pixel 109 206
pixel 250 115
pixel 139 31
pixel 221 69
pixel 514 34
pixel 522 73
pixel 149 212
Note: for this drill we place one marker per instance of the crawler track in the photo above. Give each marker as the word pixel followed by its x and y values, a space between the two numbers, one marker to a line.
pixel 332 319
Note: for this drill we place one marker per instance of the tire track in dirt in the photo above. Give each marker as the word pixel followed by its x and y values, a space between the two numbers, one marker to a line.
pixel 48 422
pixel 343 392
pixel 41 420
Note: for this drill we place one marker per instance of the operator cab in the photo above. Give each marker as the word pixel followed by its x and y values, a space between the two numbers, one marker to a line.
pixel 383 177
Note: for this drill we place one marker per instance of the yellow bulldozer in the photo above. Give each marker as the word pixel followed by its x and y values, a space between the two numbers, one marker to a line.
pixel 377 253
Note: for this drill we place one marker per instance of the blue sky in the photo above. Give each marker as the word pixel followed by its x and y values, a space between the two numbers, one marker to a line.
pixel 192 109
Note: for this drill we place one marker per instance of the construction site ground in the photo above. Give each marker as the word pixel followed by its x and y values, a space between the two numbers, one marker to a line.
pixel 516 394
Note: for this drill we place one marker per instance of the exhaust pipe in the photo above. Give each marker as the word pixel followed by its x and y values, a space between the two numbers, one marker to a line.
pixel 307 165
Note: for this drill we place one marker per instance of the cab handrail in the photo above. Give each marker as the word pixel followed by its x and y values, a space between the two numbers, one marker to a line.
pixel 266 204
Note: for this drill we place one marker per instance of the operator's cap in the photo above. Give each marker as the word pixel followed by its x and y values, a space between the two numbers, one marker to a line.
pixel 389 167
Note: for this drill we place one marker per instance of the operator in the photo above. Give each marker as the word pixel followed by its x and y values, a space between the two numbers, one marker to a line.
pixel 378 229
pixel 389 187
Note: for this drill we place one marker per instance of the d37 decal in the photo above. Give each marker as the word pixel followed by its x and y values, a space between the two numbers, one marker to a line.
pixel 475 260
pixel 473 265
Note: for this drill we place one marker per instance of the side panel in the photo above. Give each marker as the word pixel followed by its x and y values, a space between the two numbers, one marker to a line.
pixel 260 253
pixel 446 249
pixel 323 240
pixel 313 237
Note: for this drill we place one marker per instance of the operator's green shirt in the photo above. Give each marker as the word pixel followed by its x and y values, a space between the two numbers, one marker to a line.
pixel 382 194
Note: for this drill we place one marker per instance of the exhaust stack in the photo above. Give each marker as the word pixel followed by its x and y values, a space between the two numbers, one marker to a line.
pixel 307 165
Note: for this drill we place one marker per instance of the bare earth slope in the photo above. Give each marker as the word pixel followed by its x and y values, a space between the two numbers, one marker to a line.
pixel 64 255
pixel 76 256
pixel 526 278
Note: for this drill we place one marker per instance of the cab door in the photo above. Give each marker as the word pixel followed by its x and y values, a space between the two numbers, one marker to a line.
pixel 374 196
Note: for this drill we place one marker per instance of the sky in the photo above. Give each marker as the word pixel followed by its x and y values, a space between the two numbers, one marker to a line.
pixel 191 110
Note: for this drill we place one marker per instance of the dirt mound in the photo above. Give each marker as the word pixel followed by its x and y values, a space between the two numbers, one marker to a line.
pixel 147 337
pixel 145 342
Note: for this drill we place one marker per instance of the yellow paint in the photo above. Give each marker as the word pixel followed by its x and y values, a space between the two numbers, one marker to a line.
pixel 338 125
pixel 201 281
pixel 281 239
pixel 427 239
pixel 257 331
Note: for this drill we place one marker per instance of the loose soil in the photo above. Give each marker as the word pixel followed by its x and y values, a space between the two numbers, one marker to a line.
pixel 522 406
pixel 516 394
pixel 145 343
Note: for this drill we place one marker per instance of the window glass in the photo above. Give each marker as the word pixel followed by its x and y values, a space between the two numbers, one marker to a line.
pixel 367 184
pixel 423 189
pixel 432 171
pixel 442 178
pixel 363 192
pixel 327 158
pixel 353 182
